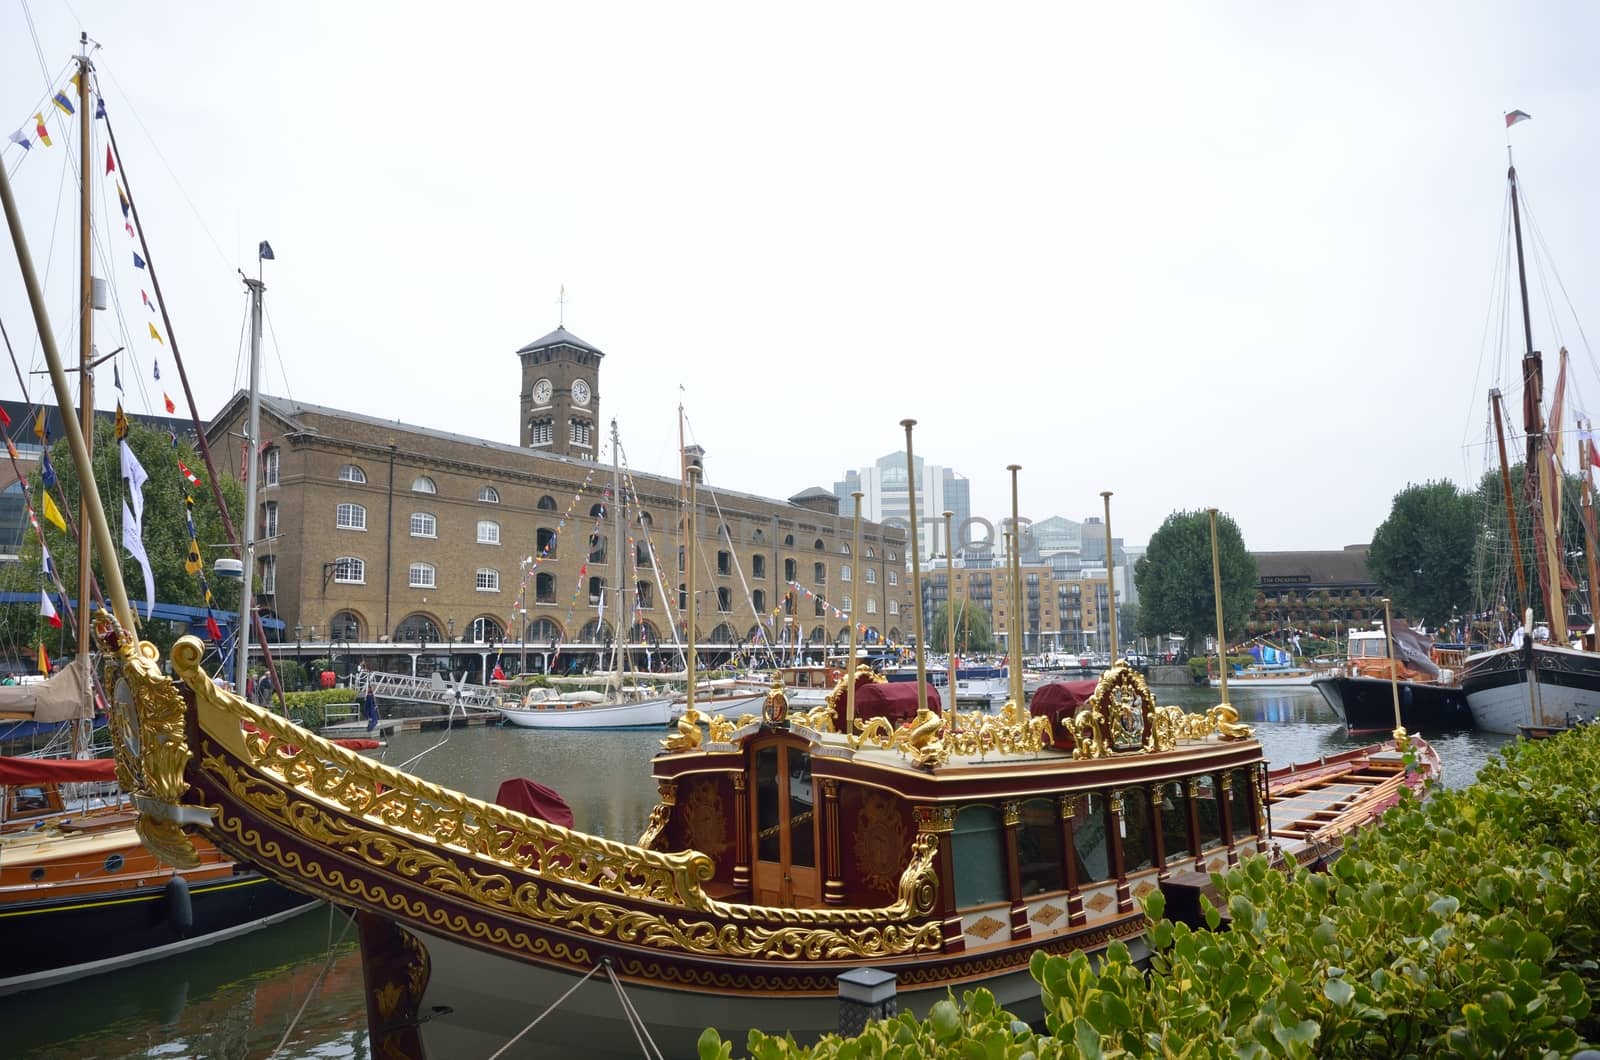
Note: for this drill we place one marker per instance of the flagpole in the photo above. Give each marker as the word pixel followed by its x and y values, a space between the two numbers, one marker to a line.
pixel 253 465
pixel 82 729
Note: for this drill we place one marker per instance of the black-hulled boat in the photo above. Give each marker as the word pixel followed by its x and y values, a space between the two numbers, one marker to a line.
pixel 1364 698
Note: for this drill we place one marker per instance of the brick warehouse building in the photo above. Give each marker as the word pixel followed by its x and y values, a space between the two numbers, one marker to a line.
pixel 399 545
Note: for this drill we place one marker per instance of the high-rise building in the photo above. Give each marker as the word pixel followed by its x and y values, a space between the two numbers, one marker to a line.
pixel 886 498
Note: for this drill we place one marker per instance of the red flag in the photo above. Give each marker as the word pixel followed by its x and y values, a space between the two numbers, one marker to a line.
pixel 5 420
pixel 1594 457
pixel 110 165
pixel 212 629
pixel 194 479
pixel 47 610
pixel 170 406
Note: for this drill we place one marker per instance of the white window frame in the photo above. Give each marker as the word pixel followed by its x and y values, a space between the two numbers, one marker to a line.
pixel 422 576
pixel 488 495
pixel 487 580
pixel 357 516
pixel 872 576
pixel 348 570
pixel 894 607
pixel 430 524
pixel 872 606
pixel 424 484
pixel 269 575
pixel 270 465
pixel 488 532
pixel 269 519
pixel 844 572
pixel 894 578
pixel 353 473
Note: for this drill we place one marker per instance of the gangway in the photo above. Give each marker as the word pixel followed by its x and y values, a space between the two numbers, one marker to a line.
pixel 433 690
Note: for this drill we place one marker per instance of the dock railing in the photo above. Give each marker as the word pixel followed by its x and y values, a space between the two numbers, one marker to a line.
pixel 433 689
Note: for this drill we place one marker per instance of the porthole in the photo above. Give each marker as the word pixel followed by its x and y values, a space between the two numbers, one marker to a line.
pixel 36 875
pixel 113 862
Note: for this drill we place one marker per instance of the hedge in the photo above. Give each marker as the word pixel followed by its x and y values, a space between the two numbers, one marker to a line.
pixel 1465 926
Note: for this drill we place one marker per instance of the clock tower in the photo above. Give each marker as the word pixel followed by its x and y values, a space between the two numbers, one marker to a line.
pixel 561 395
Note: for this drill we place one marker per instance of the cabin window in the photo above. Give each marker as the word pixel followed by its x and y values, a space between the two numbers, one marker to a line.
pixel 1174 811
pixel 1208 811
pixel 977 849
pixel 1091 840
pixel 802 836
pixel 1039 848
pixel 1240 811
pixel 114 862
pixel 1138 838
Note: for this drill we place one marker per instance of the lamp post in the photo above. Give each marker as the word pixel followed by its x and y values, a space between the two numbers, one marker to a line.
pixel 522 667
pixel 450 656
pixel 298 661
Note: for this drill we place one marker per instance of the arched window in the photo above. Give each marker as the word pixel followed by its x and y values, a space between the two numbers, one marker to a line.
pixel 643 596
pixel 977 851
pixel 1039 848
pixel 541 430
pixel 488 580
pixel 724 634
pixel 894 607
pixel 348 570
pixel 844 572
pixel 544 588
pixel 819 573
pixel 844 549
pixel 757 537
pixel 345 626
pixel 597 548
pixel 580 432
pixel 487 630
pixel 844 605
pixel 423 484
pixel 872 605
pixel 894 578
pixel 547 503
pixel 817 607
pixel 595 632
pixel 818 545
pixel 488 532
pixel 788 540
pixel 417 627
pixel 269 518
pixel 489 495
pixel 869 553
pixel 818 635
pixel 790 569
pixel 422 576
pixel 641 555
pixel 352 473
pixel 597 510
pixel 597 588
pixel 424 525
pixel 544 631
pixel 351 517
pixel 872 576
pixel 269 466
pixel 758 599
pixel 645 520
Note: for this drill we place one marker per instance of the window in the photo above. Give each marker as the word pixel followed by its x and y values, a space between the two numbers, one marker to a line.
pixel 894 607
pixel 724 599
pixel 269 466
pixel 818 608
pixel 643 596
pixel 1208 811
pixel 349 571
pixel 844 549
pixel 1091 840
pixel 818 545
pixel 488 532
pixel 597 548
pixel 424 525
pixel 1039 848
pixel 544 588
pixel 541 431
pixel 977 851
pixel 269 519
pixel 547 503
pixel 869 553
pixel 894 578
pixel 422 576
pixel 893 556
pixel 788 539
pixel 488 581
pixel 724 563
pixel 489 495
pixel 345 626
pixel 872 606
pixel 597 590
pixel 1138 839
pixel 424 484
pixel 419 628
pixel 545 539
pixel 641 555
pixel 819 573
pixel 683 597
pixel 790 569
pixel 351 517
pixel 844 572
pixel 758 600
pixel 872 576
pixel 844 605
pixel 579 432
pixel 269 574
pixel 1240 805
pixel 1174 811
pixel 486 630
pixel 352 473
pixel 758 566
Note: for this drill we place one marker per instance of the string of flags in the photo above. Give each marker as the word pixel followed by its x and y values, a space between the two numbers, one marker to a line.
pixel 531 563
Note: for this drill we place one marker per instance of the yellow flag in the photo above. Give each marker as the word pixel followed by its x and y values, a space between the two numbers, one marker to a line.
pixel 122 423
pixel 192 564
pixel 154 334
pixel 44 659
pixel 53 514
pixel 38 427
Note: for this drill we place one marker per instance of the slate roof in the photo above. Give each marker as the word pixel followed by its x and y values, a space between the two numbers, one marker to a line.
pixel 1347 566
pixel 560 337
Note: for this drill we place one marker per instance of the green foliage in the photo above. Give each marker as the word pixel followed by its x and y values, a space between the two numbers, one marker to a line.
pixel 1422 554
pixel 1202 667
pixel 1174 578
pixel 1493 577
pixel 974 632
pixel 166 538
pixel 1466 926
pixel 309 710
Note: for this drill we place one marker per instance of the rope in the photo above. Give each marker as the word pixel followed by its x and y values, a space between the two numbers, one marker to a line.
pixel 312 992
pixel 553 1006
pixel 641 1033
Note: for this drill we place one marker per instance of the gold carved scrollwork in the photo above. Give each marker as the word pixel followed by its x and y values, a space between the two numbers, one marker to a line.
pixel 150 741
pixel 660 814
pixel 1122 717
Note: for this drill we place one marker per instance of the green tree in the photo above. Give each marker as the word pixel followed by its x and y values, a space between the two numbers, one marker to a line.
pixel 1174 578
pixel 1421 555
pixel 974 632
pixel 166 538
pixel 1492 578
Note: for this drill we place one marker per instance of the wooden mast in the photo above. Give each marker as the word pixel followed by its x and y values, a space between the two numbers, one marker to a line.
pixel 1585 458
pixel 82 729
pixel 1495 401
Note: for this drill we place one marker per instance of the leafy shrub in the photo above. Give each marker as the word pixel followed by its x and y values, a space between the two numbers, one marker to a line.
pixel 309 710
pixel 1466 926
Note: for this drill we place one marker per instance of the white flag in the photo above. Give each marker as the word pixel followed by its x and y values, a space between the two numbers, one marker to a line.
pixel 135 547
pixel 134 472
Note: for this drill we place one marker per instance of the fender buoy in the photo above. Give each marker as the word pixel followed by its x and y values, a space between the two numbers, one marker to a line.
pixel 835 675
pixel 180 906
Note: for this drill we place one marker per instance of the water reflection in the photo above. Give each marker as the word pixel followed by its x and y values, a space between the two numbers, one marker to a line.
pixel 239 999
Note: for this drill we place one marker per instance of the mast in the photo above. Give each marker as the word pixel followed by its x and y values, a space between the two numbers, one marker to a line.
pixel 950 616
pixel 81 731
pixel 252 470
pixel 621 658
pixel 1585 456
pixel 1111 582
pixel 916 574
pixel 850 667
pixel 691 465
pixel 1495 401
pixel 1018 610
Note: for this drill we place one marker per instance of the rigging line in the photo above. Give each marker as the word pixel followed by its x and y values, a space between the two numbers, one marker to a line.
pixel 641 1033
pixel 272 333
pixel 722 523
pixel 311 992
pixel 40 107
pixel 132 110
pixel 1484 346
pixel 1538 235
pixel 519 1035
pixel 631 488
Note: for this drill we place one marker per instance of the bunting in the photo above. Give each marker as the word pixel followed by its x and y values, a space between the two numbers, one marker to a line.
pixel 5 418
pixel 147 303
pixel 171 405
pixel 63 104
pixel 53 514
pixel 47 471
pixel 110 165
pixel 138 262
pixel 136 475
pixel 40 431
pixel 47 610
pixel 122 197
pixel 40 130
pixel 154 334
pixel 121 423
pixel 189 476
pixel 44 659
pixel 131 540
pixel 20 138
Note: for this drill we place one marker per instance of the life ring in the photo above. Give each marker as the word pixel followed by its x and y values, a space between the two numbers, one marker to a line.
pixel 835 675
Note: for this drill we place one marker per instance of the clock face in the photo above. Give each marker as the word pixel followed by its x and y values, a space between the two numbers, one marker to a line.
pixel 541 391
pixel 580 392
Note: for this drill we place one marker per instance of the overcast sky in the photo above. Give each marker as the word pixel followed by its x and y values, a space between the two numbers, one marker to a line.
pixel 1240 255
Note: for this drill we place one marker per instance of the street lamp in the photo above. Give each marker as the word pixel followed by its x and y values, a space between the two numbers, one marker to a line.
pixel 298 661
pixel 522 667
pixel 450 657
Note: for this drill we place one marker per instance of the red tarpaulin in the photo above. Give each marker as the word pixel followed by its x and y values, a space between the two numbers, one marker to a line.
pixel 535 800
pixel 14 771
pixel 895 701
pixel 1059 700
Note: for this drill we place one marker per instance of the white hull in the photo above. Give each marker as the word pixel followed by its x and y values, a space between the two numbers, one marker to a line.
pixel 1268 681
pixel 727 706
pixel 1503 695
pixel 646 713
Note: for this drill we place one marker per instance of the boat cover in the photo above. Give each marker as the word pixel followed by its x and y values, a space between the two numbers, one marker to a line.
pixel 17 771
pixel 895 701
pixel 1059 700
pixel 535 800
pixel 57 698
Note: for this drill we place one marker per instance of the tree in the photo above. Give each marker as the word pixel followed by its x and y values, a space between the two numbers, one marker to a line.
pixel 166 537
pixel 1174 578
pixel 1492 579
pixel 1421 556
pixel 974 633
